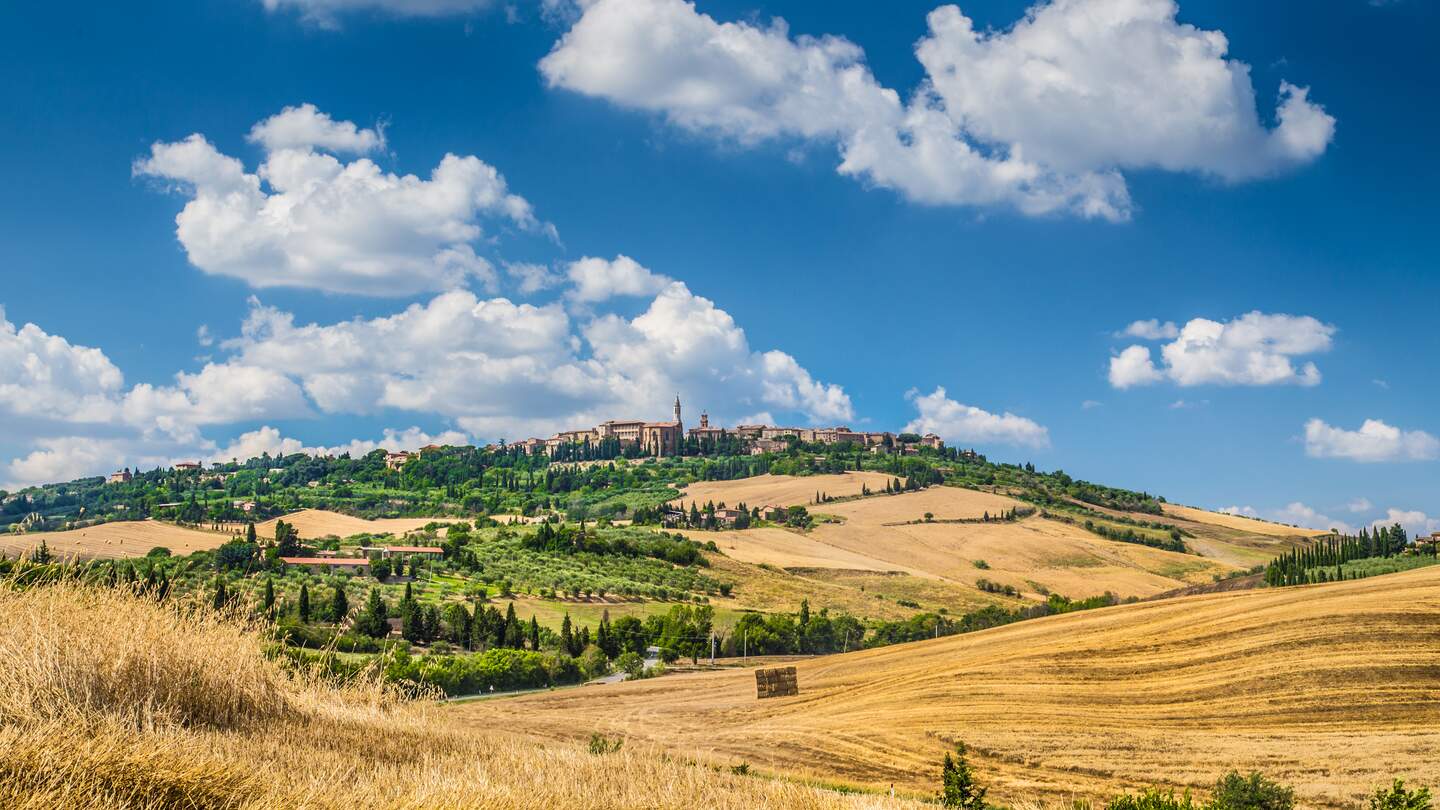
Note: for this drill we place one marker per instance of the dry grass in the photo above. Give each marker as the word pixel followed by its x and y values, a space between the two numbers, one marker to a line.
pixel 782 490
pixel 108 541
pixel 1330 688
pixel 1244 524
pixel 311 523
pixel 945 503
pixel 114 702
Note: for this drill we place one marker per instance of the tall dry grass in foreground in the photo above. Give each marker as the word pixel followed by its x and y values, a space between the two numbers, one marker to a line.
pixel 113 701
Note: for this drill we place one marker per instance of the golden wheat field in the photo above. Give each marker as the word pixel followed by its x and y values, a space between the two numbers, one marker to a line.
pixel 1331 688
pixel 1238 522
pixel 318 523
pixel 111 701
pixel 125 538
pixel 782 490
pixel 1035 555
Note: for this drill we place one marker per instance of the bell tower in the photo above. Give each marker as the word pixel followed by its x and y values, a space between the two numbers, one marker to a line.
pixel 677 409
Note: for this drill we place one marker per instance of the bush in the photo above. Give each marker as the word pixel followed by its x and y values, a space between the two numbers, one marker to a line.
pixel 631 664
pixel 1253 792
pixel 1152 799
pixel 1396 797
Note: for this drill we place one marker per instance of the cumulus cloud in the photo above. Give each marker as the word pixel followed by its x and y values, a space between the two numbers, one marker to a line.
pixel 1361 504
pixel 1299 514
pixel 44 376
pixel 1042 117
pixel 1254 349
pixel 1374 441
pixel 500 368
pixel 304 218
pixel 958 422
pixel 531 278
pixel 1414 521
pixel 269 440
pixel 597 280
pixel 1240 511
pixel 1133 366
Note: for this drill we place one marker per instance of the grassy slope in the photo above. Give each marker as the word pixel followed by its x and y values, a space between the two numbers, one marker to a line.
pixel 112 702
pixel 1332 688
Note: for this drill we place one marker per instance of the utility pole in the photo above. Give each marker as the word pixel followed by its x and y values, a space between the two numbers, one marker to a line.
pixel 745 646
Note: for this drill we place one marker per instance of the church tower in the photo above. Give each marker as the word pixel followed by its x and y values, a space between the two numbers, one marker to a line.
pixel 677 409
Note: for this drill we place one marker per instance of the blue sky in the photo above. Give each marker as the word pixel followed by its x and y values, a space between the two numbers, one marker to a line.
pixel 772 221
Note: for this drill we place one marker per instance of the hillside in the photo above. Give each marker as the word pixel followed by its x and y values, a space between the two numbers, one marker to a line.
pixel 117 540
pixel 782 490
pixel 1330 688
pixel 108 700
pixel 312 523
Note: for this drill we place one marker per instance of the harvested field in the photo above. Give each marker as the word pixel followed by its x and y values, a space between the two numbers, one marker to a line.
pixel 318 523
pixel 945 503
pixel 782 490
pixel 783 548
pixel 1330 688
pixel 1244 524
pixel 1060 557
pixel 108 541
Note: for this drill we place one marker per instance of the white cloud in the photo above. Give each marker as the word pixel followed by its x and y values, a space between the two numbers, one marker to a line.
pixel 306 219
pixel 1241 511
pixel 1360 505
pixel 268 439
pixel 532 278
pixel 1414 521
pixel 1254 349
pixel 326 13
pixel 957 422
pixel 1298 514
pixel 1375 441
pixel 46 377
pixel 1042 117
pixel 500 368
pixel 1133 366
pixel 597 280
pixel 1152 329
pixel 305 127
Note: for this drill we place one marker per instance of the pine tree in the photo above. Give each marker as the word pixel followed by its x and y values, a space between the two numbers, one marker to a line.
pixel 957 783
pixel 371 620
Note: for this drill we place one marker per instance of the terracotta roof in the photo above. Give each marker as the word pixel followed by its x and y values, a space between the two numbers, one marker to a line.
pixel 324 561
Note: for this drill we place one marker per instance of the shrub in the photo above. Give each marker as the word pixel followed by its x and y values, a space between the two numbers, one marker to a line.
pixel 1253 792
pixel 600 745
pixel 1396 797
pixel 631 664
pixel 1152 799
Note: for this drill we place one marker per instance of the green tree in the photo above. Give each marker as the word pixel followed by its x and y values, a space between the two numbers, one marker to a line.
pixel 339 605
pixel 1397 797
pixel 269 598
pixel 1253 792
pixel 371 621
pixel 303 607
pixel 958 787
pixel 221 596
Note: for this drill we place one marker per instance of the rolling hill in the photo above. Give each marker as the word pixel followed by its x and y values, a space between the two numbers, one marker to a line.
pixel 116 540
pixel 1329 688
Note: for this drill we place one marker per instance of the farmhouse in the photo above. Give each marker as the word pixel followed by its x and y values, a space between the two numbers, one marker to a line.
pixel 186 466
pixel 349 565
pixel 395 461
pixel 119 477
pixel 428 552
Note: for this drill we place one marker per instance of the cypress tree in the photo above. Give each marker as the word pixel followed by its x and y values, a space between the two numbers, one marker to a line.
pixel 339 605
pixel 269 600
pixel 304 604
pixel 534 634
pixel 220 596
pixel 567 637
